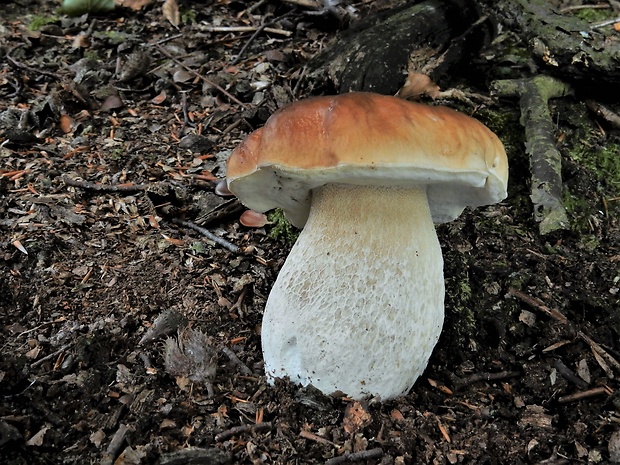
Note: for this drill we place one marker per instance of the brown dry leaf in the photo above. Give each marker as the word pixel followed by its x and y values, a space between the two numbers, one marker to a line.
pixel 171 12
pixel 167 423
pixel 355 417
pixel 159 99
pixel 82 40
pixel 135 5
pixel 111 102
pixel 37 439
pixel 397 415
pixel 66 123
pixel 97 437
pixel 33 353
pixel 417 85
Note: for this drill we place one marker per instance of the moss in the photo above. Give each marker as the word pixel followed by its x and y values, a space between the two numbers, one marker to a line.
pixel 281 229
pixel 603 160
pixel 39 21
pixel 188 17
pixel 594 15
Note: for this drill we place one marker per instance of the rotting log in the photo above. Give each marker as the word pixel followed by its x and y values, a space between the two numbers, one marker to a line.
pixel 545 159
pixel 564 45
pixel 375 54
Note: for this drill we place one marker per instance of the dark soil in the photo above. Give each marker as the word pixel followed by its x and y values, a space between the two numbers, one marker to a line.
pixel 525 371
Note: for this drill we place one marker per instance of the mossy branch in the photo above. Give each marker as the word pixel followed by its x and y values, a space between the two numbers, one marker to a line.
pixel 545 159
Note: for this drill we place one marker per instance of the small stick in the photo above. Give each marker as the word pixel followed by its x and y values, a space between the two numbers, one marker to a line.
pixel 245 370
pixel 259 29
pixel 314 437
pixel 569 374
pixel 363 455
pixel 245 29
pixel 604 112
pixel 208 234
pixel 115 445
pixel 125 188
pixel 475 378
pixel 49 356
pixel 200 76
pixel 18 64
pixel 256 428
pixel 555 314
pixel 585 394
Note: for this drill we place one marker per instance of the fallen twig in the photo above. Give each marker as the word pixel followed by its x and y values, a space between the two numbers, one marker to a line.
pixel 477 377
pixel 545 159
pixel 569 374
pixel 553 313
pixel 271 30
pixel 604 112
pixel 363 455
pixel 115 445
pixel 208 234
pixel 50 356
pixel 243 429
pixel 259 29
pixel 243 368
pixel 126 188
pixel 585 394
pixel 200 76
pixel 314 437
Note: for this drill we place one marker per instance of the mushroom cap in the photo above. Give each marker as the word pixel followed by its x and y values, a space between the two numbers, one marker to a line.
pixel 368 139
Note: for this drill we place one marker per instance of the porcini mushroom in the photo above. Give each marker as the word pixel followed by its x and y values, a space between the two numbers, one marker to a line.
pixel 359 303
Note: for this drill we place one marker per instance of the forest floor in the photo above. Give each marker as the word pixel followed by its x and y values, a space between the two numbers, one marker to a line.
pixel 526 370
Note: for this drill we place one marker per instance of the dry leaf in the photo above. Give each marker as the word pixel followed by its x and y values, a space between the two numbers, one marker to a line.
pixel 416 85
pixel 33 353
pixel 171 12
pixel 111 102
pixel 82 40
pixel 167 423
pixel 66 124
pixel 181 76
pixel 159 99
pixel 97 437
pixel 135 5
pixel 355 417
pixel 37 439
pixel 583 370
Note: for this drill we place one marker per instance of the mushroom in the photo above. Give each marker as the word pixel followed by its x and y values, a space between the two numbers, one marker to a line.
pixel 358 306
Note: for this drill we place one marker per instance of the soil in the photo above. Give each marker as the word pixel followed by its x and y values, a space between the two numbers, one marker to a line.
pixel 526 368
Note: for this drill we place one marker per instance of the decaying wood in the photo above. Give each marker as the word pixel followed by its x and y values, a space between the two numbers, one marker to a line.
pixel 545 159
pixel 564 45
pixel 375 54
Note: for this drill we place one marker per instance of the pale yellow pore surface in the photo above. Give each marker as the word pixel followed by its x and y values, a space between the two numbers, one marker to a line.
pixel 358 305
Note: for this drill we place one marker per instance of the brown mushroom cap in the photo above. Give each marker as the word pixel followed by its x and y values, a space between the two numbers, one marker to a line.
pixel 368 139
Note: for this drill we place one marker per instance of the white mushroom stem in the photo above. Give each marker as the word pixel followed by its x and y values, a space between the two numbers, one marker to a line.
pixel 359 304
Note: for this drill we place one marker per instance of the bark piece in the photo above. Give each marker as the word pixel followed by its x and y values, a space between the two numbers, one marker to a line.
pixel 545 159
pixel 564 45
pixel 375 54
